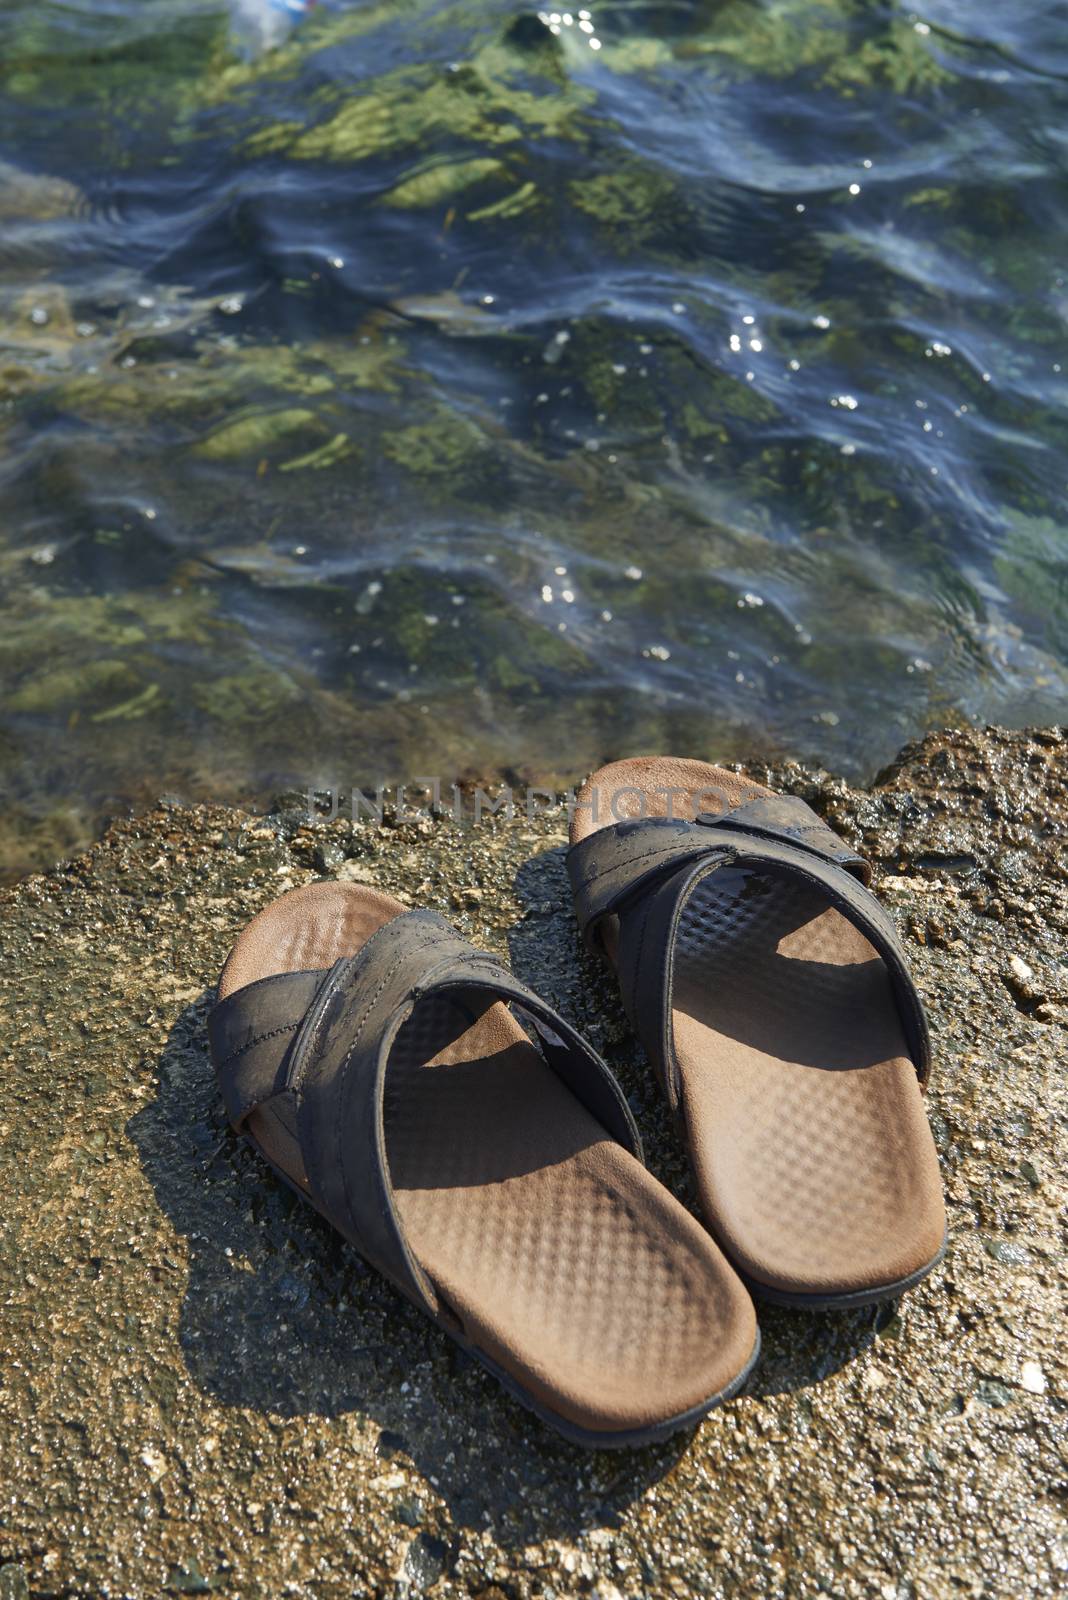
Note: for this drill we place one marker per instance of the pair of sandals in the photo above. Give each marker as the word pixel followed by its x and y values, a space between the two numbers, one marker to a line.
pixel 493 1172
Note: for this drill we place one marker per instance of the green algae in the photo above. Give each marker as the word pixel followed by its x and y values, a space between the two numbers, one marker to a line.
pixel 436 184
pixel 1033 567
pixel 511 205
pixel 264 430
pixel 446 445
pixel 99 654
pixel 901 59
pixel 127 710
pixel 821 38
pixel 482 101
pixel 137 74
pixel 637 54
pixel 31 197
pixel 247 696
pixel 327 455
pixel 226 403
pixel 641 209
pixel 494 647
pixel 936 197
pixel 76 686
pixel 621 199
pixel 219 379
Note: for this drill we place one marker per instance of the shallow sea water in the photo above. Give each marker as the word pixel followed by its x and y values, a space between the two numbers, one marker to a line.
pixel 434 389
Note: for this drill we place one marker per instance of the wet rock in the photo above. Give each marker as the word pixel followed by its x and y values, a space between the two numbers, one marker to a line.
pixel 424 1562
pixel 389 1444
pixel 1007 1252
pixel 328 857
pixel 1020 970
pixel 203 1389
pixel 528 32
pixel 188 1579
pixel 409 1512
pixel 992 1393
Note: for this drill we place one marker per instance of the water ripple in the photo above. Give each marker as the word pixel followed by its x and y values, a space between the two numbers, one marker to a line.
pixel 504 402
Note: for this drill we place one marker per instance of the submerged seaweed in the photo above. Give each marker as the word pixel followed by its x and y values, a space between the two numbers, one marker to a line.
pixel 436 391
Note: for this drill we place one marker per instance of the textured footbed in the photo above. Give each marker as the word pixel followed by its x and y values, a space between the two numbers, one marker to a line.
pixel 566 1263
pixel 814 1159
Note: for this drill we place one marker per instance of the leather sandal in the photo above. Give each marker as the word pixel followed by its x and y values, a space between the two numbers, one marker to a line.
pixel 774 1000
pixel 370 1054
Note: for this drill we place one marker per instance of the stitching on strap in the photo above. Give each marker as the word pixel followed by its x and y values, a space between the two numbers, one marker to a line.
pixel 261 1038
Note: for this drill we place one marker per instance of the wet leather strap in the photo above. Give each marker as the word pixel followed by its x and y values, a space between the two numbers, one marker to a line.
pixel 644 872
pixel 609 866
pixel 786 819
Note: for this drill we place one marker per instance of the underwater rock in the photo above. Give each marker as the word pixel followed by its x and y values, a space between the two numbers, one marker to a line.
pixel 32 197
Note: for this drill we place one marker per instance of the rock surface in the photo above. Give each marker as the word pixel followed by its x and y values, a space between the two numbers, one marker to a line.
pixel 202 1391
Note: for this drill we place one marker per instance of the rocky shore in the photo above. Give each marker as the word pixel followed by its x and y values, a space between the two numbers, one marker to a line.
pixel 202 1392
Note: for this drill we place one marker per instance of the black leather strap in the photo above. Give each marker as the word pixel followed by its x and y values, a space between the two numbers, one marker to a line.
pixel 331 1052
pixel 251 1033
pixel 786 819
pixel 611 865
pixel 643 872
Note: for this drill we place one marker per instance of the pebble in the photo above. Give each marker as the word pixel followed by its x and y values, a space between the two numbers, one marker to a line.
pixel 1007 1252
pixel 410 1512
pixel 424 1562
pixel 327 857
pixel 389 1480
pixel 154 1461
pixel 355 872
pixel 1032 1378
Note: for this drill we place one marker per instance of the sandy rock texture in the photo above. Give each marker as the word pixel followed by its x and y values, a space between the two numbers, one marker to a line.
pixel 202 1391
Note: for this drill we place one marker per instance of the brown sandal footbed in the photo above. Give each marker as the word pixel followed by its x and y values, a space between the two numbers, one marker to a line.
pixel 805 1122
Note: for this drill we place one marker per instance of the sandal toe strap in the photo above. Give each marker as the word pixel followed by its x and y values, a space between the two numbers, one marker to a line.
pixel 644 871
pixel 325 1039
